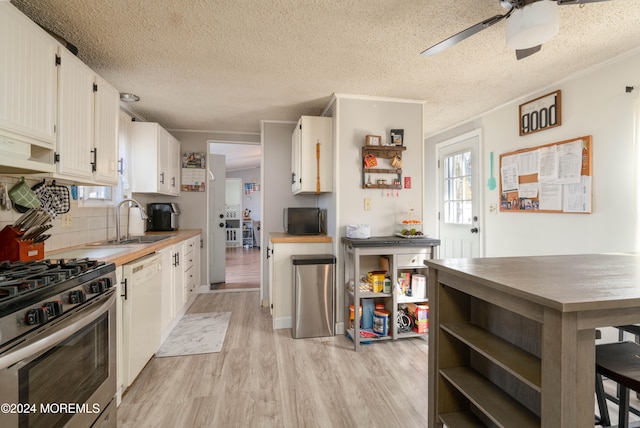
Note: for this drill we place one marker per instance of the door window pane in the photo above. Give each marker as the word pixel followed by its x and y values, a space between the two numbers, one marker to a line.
pixel 457 188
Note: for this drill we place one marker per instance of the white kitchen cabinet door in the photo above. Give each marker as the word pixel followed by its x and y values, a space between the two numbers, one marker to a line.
pixel 107 114
pixel 177 272
pixel 28 89
pixel 174 166
pixel 151 154
pixel 75 118
pixel 167 309
pixel 312 155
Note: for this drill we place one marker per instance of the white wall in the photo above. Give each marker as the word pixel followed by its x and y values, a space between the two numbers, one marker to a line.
pixel 595 104
pixel 355 119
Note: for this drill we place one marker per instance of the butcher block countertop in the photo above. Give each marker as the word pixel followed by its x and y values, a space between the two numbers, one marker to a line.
pixel 285 238
pixel 125 253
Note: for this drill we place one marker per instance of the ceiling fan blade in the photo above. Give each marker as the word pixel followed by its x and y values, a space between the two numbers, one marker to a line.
pixel 457 38
pixel 523 53
pixel 563 2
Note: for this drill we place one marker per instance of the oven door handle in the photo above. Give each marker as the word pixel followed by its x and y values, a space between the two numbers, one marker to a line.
pixel 57 335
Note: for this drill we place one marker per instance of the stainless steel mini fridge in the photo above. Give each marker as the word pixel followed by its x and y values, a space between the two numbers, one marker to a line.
pixel 313 295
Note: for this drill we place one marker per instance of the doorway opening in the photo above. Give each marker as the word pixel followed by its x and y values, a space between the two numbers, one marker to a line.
pixel 234 214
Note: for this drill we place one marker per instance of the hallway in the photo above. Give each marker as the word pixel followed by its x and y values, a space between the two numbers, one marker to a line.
pixel 242 270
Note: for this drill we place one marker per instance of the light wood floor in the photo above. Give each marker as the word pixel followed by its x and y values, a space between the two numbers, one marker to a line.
pixel 265 378
pixel 242 269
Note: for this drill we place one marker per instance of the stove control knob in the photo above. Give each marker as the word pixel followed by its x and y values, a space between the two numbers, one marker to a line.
pixel 107 282
pixel 97 287
pixel 53 308
pixel 36 316
pixel 77 296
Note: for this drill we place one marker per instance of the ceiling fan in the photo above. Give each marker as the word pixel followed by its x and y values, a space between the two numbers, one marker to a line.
pixel 529 24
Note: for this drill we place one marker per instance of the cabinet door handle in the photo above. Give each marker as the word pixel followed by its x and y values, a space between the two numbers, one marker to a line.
pixel 121 166
pixel 162 177
pixel 293 178
pixel 125 295
pixel 94 164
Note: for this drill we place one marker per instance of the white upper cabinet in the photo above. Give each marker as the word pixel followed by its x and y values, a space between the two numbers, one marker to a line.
pixel 155 159
pixel 88 115
pixel 107 114
pixel 56 115
pixel 74 153
pixel 28 93
pixel 312 155
pixel 175 165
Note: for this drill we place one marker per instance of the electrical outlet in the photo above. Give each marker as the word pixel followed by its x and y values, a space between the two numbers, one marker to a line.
pixel 493 208
pixel 367 204
pixel 407 182
pixel 66 220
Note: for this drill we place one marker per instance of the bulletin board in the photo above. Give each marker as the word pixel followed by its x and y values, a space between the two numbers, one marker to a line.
pixel 553 178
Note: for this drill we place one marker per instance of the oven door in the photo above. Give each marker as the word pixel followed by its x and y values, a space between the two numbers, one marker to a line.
pixel 64 374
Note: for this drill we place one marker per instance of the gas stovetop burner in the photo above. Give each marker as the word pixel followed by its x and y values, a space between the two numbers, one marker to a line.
pixel 23 277
pixel 35 293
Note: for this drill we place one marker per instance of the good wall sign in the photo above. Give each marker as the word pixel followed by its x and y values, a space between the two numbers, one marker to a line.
pixel 540 114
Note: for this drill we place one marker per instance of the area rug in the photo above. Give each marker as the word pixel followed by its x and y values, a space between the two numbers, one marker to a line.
pixel 196 334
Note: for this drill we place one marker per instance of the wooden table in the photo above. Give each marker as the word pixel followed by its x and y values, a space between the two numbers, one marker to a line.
pixel 512 339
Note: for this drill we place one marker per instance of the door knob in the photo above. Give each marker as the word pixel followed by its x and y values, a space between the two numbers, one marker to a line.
pixel 474 230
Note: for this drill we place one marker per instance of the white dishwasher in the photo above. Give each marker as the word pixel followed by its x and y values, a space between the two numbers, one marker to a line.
pixel 142 290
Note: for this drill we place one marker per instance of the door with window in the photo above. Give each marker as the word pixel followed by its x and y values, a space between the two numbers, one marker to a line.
pixel 459 196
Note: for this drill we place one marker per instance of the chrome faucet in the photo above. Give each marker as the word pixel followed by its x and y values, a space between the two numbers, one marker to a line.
pixel 143 214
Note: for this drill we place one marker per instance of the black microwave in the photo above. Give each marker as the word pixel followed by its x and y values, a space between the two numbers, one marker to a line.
pixel 305 221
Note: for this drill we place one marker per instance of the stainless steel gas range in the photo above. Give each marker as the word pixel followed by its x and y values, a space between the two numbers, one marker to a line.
pixel 57 344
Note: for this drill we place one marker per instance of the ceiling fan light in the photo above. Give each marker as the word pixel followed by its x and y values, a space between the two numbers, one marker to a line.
pixel 532 25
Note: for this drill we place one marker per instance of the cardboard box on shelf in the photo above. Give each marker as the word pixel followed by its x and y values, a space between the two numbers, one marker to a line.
pixel 419 312
pixel 421 327
pixel 384 264
pixel 420 316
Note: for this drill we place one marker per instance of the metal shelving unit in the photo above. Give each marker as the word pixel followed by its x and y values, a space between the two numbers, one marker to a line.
pixel 361 256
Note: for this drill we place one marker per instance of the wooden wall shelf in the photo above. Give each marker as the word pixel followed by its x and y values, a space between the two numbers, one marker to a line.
pixel 383 152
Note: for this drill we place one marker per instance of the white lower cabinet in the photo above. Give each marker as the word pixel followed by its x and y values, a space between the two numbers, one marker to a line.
pixel 281 276
pixel 191 268
pixel 178 277
pixel 167 311
pixel 178 282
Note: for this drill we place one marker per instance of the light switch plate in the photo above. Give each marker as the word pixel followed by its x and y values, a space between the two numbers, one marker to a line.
pixel 407 182
pixel 367 204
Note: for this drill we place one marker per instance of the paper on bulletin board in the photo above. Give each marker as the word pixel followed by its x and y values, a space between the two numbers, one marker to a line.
pixel 193 172
pixel 577 197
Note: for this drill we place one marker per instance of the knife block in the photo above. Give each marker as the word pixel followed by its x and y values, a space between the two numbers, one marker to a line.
pixel 13 249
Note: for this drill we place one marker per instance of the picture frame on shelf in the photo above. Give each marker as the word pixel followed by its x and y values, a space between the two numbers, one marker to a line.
pixel 373 140
pixel 397 137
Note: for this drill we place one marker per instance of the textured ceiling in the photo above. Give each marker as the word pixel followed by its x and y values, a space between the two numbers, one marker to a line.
pixel 224 65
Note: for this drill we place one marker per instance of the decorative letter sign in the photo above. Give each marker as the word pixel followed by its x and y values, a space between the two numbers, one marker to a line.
pixel 540 114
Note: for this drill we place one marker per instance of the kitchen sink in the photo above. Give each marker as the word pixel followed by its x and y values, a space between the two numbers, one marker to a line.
pixel 145 239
